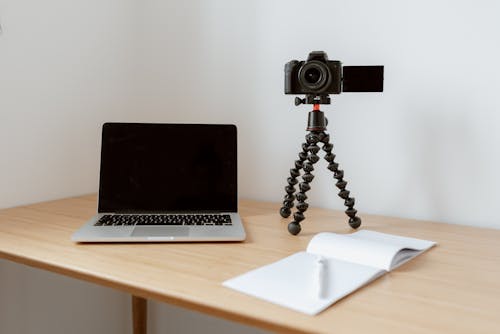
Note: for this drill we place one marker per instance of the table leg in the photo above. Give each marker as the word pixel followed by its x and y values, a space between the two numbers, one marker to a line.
pixel 139 315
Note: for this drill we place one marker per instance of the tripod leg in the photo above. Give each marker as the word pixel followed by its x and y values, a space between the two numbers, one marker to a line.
pixel 286 209
pixel 312 139
pixel 354 221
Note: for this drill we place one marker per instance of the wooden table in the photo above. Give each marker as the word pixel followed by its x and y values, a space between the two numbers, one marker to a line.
pixel 453 288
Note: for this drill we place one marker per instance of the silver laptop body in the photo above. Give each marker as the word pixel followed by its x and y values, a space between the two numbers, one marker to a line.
pixel 166 183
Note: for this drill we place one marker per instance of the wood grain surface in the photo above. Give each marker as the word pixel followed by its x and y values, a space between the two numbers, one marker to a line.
pixel 453 288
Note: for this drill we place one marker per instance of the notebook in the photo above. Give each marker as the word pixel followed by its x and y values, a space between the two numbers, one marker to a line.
pixel 351 261
pixel 166 182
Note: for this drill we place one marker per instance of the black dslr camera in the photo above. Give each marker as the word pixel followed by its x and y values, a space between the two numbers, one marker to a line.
pixel 318 76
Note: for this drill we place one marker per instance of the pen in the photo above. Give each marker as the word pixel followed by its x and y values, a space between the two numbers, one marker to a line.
pixel 322 277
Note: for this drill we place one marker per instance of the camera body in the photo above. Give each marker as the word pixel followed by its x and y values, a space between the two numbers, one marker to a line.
pixel 318 76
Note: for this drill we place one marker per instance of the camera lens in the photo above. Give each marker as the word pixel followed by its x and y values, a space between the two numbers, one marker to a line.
pixel 314 76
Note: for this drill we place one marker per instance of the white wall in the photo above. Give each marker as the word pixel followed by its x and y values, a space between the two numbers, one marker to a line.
pixel 65 68
pixel 426 148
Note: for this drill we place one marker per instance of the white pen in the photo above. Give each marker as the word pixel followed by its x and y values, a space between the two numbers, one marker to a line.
pixel 322 277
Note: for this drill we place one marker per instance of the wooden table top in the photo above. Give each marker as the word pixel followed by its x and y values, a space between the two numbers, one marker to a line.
pixel 452 288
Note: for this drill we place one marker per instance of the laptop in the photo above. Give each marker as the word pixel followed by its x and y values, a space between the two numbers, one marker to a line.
pixel 166 183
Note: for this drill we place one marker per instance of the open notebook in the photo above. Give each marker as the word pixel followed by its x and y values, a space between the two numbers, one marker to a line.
pixel 352 260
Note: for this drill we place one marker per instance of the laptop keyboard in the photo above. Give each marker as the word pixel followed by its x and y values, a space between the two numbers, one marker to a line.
pixel 170 219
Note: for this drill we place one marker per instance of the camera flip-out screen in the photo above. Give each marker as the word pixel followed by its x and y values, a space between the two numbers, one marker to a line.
pixel 363 79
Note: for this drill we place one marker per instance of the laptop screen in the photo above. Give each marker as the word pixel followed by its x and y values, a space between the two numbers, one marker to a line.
pixel 168 167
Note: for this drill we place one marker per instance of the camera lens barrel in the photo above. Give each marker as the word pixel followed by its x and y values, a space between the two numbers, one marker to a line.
pixel 314 76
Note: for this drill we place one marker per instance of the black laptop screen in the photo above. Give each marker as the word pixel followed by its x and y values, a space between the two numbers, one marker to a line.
pixel 168 167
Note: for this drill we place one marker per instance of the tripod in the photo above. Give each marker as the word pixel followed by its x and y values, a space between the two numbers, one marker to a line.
pixel 316 126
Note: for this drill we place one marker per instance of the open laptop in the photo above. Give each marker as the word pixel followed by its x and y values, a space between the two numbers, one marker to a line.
pixel 166 182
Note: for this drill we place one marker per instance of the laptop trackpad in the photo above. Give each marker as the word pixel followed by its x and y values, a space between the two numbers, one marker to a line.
pixel 160 231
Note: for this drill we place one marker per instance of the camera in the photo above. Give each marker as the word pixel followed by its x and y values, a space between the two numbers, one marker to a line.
pixel 319 76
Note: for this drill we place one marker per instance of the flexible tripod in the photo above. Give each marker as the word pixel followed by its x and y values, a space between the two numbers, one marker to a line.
pixel 316 126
